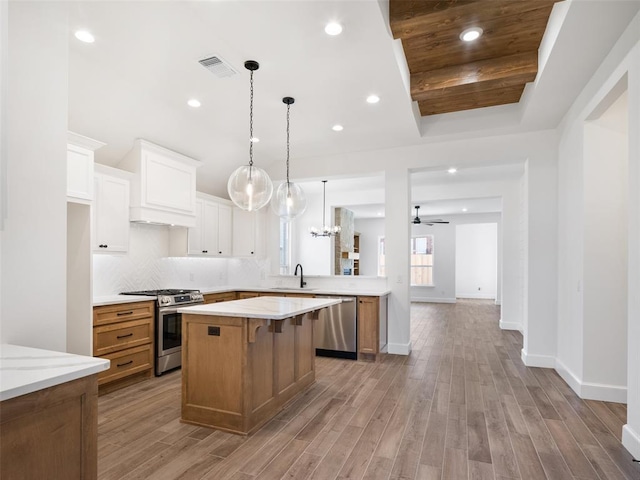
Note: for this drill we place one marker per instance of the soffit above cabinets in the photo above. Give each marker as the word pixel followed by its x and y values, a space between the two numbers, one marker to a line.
pixel 449 74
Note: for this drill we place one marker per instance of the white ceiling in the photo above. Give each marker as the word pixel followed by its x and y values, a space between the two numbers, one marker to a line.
pixel 135 80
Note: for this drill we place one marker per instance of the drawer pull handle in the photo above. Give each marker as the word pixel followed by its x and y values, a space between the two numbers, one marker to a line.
pixel 130 312
pixel 125 363
pixel 125 336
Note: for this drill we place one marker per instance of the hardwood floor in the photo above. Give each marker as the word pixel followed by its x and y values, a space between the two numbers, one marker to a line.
pixel 461 406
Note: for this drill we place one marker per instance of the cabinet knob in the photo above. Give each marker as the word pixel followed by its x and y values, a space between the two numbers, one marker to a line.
pixel 220 253
pixel 205 251
pixel 251 253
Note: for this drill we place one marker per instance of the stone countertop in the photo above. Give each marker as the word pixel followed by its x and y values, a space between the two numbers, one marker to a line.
pixel 114 299
pixel 26 370
pixel 309 290
pixel 270 308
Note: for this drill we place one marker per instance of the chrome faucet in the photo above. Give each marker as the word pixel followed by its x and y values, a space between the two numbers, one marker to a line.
pixel 302 282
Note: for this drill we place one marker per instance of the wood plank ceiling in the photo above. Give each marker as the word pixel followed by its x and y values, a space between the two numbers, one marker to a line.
pixel 449 74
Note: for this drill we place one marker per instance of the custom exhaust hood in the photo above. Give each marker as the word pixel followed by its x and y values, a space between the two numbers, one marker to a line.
pixel 163 188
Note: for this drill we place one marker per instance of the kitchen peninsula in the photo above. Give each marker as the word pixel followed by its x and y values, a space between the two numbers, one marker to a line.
pixel 242 360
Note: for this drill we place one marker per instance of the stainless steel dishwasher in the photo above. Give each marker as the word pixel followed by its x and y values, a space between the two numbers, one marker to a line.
pixel 335 330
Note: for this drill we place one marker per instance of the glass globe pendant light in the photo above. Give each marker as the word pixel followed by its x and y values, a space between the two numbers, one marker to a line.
pixel 250 187
pixel 289 201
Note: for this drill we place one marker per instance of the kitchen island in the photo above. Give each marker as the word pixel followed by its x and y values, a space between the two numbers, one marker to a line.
pixel 49 413
pixel 243 360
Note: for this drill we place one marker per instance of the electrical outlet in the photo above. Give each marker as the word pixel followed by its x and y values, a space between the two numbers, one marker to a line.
pixel 399 280
pixel 191 277
pixel 478 288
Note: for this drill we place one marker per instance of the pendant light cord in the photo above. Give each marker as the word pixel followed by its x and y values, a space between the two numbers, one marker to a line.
pixel 251 125
pixel 288 110
pixel 324 193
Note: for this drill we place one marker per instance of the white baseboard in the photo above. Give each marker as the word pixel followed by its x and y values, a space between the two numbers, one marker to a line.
pixel 631 441
pixel 542 361
pixel 481 296
pixel 433 300
pixel 568 376
pixel 399 348
pixel 510 326
pixel 592 391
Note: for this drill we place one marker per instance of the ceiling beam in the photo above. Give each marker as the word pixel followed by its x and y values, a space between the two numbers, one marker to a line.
pixel 475 77
pixel 455 103
pixel 411 18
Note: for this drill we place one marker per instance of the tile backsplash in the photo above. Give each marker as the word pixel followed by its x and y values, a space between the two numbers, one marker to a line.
pixel 147 266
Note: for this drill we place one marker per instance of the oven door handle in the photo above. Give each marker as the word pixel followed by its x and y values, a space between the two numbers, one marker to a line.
pixel 167 311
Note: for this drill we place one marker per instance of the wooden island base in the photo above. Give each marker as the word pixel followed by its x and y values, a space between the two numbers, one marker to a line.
pixel 238 372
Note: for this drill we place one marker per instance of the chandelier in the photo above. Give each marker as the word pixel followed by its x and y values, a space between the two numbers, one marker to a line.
pixel 324 231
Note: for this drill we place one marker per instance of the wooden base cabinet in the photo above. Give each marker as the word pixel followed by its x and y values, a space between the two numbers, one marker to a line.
pixel 372 325
pixel 237 373
pixel 124 334
pixel 51 433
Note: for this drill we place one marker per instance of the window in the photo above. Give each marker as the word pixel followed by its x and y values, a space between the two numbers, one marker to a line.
pixel 285 248
pixel 421 260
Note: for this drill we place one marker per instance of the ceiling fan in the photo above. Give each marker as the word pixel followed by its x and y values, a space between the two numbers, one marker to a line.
pixel 417 221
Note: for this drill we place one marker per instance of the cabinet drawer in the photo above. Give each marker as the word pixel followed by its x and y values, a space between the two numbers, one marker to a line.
pixel 111 338
pixel 219 297
pixel 127 362
pixel 122 312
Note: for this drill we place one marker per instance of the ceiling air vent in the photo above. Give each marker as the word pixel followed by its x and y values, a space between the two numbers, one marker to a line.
pixel 217 66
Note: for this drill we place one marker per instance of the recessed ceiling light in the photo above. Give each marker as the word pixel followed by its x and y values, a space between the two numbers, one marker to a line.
pixel 452 170
pixel 373 99
pixel 337 128
pixel 333 28
pixel 464 209
pixel 85 36
pixel 471 34
pixel 194 103
pixel 255 139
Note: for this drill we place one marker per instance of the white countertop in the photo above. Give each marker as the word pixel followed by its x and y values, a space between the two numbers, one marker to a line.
pixel 309 290
pixel 25 370
pixel 271 308
pixel 114 299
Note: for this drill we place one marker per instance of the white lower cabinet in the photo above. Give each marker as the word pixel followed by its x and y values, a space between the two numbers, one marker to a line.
pixel 111 214
pixel 212 234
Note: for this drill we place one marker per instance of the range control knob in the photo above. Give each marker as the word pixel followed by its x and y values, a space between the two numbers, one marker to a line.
pixel 165 300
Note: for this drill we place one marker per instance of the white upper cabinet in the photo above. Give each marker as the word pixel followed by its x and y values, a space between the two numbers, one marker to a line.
pixel 111 211
pixel 80 167
pixel 163 189
pixel 248 233
pixel 211 235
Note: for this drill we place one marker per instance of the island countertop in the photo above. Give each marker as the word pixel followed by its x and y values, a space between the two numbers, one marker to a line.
pixel 25 370
pixel 270 308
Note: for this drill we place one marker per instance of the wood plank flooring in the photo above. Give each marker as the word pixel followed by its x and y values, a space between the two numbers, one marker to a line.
pixel 461 406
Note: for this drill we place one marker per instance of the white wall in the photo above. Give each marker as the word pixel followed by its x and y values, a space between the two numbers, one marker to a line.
pixel 34 237
pixel 476 260
pixel 605 248
pixel 577 329
pixel 370 229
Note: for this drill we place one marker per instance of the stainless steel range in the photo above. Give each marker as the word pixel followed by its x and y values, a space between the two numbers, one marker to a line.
pixel 169 324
